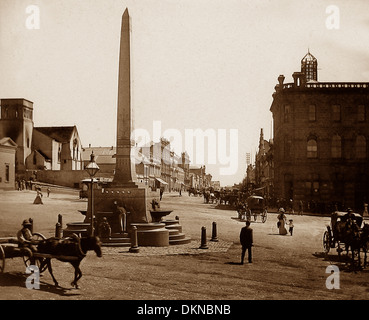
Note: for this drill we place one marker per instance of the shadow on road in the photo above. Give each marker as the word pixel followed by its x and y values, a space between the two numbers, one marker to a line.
pixel 18 279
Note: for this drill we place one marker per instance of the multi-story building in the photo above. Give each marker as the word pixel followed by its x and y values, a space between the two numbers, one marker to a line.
pixel 16 122
pixel 48 150
pixel 263 170
pixel 321 134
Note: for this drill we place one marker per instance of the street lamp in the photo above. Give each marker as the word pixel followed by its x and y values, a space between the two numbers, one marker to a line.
pixel 92 168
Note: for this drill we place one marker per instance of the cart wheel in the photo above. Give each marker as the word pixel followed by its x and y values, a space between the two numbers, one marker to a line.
pixel 38 236
pixel 29 259
pixel 264 216
pixel 27 256
pixel 2 259
pixel 326 241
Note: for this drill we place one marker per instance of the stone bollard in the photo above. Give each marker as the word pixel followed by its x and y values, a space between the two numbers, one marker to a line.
pixel 134 243
pixel 203 238
pixel 60 220
pixel 214 234
pixel 58 230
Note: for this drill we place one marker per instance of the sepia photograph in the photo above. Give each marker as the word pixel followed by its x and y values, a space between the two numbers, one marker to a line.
pixel 184 157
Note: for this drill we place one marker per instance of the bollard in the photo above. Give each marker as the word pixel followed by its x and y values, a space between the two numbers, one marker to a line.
pixel 58 230
pixel 60 220
pixel 214 236
pixel 134 243
pixel 203 239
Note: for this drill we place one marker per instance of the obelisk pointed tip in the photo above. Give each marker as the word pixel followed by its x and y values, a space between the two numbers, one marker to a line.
pixel 126 13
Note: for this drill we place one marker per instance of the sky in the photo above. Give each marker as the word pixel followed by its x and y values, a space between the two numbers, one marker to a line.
pixel 198 66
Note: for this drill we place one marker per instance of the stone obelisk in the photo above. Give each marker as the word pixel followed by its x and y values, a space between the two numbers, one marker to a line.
pixel 125 172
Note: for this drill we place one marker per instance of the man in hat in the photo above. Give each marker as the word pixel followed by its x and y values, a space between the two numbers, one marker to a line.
pixel 24 236
pixel 246 240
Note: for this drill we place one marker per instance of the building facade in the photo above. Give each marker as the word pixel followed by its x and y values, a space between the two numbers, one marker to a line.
pixel 321 141
pixel 16 122
pixel 8 150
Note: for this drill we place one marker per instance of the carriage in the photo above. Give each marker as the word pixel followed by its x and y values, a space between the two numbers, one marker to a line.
pixel 71 249
pixel 255 206
pixel 331 237
pixel 9 249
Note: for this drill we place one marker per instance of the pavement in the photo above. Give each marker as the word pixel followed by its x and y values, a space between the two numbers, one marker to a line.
pixel 192 248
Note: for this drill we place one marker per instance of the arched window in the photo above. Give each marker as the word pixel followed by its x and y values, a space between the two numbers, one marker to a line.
pixel 360 147
pixel 336 147
pixel 312 148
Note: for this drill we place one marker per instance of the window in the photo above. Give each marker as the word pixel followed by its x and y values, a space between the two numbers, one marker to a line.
pixel 312 112
pixel 287 147
pixel 7 172
pixel 59 154
pixel 360 147
pixel 336 147
pixel 361 113
pixel 312 148
pixel 336 112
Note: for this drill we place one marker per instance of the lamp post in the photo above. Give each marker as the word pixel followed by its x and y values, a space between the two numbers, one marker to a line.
pixel 92 168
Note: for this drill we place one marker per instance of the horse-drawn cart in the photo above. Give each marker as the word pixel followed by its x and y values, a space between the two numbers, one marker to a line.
pixel 71 249
pixel 255 206
pixel 336 232
pixel 9 249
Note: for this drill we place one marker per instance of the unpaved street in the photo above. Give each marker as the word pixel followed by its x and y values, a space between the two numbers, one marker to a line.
pixel 284 267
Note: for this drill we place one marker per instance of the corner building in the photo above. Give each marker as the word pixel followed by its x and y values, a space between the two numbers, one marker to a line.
pixel 321 141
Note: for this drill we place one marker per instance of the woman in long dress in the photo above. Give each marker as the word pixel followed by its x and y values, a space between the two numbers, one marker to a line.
pixel 282 222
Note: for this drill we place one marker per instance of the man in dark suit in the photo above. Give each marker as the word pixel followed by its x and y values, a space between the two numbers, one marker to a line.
pixel 246 240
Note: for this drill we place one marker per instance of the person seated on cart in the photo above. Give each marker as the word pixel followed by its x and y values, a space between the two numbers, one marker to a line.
pixel 24 236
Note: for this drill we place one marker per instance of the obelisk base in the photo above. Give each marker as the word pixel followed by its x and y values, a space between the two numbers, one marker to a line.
pixel 136 200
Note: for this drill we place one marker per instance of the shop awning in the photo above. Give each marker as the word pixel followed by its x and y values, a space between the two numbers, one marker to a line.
pixel 161 181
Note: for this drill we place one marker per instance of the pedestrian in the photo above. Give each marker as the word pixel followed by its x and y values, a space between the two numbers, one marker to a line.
pixel 121 212
pixel 290 224
pixel 246 240
pixel 301 207
pixel 161 193
pixel 48 191
pixel 281 222
pixel 38 199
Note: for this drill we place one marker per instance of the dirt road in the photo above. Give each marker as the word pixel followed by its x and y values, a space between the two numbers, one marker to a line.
pixel 284 267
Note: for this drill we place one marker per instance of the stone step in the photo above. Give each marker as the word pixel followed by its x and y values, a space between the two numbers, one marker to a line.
pixel 177 227
pixel 177 236
pixel 116 244
pixel 170 222
pixel 180 241
pixel 173 232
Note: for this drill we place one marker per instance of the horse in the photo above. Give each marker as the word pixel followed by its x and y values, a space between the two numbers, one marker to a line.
pixel 72 250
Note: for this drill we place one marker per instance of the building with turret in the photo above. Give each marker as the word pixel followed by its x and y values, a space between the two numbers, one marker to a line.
pixel 320 139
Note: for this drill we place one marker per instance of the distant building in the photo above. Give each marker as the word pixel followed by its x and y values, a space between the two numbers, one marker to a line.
pixel 16 122
pixel 264 168
pixel 55 148
pixel 321 140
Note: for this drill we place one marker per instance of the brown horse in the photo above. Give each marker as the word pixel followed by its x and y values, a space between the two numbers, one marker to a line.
pixel 71 250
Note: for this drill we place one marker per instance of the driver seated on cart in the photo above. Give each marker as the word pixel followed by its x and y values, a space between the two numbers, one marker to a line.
pixel 24 236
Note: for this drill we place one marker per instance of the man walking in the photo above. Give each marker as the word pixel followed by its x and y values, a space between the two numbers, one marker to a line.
pixel 246 240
